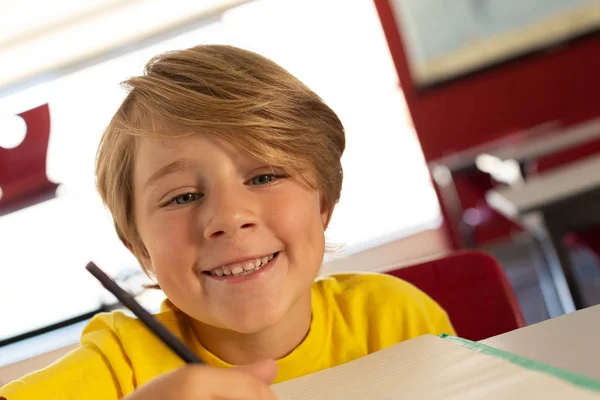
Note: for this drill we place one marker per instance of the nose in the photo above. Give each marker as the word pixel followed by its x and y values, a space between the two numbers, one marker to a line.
pixel 229 213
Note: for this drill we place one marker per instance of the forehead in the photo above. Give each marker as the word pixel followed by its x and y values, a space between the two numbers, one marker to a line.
pixel 200 150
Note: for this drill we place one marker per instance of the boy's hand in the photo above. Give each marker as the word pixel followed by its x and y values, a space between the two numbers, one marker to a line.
pixel 201 382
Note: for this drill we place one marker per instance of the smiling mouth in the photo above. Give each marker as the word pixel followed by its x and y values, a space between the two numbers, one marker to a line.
pixel 241 269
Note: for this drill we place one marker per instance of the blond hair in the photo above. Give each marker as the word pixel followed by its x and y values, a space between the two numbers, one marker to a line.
pixel 230 93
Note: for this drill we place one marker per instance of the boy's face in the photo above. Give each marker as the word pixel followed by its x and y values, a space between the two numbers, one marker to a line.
pixel 200 205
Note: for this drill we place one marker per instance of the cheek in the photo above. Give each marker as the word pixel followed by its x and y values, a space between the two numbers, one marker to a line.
pixel 298 221
pixel 166 238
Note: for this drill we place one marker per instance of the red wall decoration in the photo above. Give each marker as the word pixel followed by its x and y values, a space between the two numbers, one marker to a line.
pixel 23 179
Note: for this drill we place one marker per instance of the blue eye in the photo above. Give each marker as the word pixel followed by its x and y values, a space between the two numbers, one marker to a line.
pixel 263 179
pixel 185 198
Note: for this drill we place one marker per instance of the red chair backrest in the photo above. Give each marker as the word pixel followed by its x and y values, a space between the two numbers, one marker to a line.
pixel 473 289
pixel 23 179
pixel 564 157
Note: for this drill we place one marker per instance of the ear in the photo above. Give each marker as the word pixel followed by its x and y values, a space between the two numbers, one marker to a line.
pixel 142 256
pixel 325 211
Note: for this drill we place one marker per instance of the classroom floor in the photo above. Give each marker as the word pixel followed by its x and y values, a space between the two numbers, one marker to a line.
pixel 518 262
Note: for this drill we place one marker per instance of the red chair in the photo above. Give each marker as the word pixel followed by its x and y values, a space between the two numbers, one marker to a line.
pixel 473 289
pixel 590 237
pixel 23 180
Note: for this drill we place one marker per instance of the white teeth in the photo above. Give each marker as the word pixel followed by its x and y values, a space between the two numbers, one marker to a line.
pixel 236 270
pixel 243 268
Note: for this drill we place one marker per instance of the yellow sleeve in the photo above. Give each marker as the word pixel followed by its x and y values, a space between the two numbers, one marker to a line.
pixel 81 374
pixel 98 369
pixel 405 312
pixel 386 310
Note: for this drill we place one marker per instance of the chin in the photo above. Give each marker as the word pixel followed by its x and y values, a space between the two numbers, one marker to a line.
pixel 249 323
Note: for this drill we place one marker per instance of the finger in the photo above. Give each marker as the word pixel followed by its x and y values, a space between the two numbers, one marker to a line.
pixel 265 370
pixel 235 384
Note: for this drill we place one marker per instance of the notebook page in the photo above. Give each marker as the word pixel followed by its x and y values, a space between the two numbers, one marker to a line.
pixel 429 367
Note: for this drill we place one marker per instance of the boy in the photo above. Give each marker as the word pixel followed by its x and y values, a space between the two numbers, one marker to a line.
pixel 221 171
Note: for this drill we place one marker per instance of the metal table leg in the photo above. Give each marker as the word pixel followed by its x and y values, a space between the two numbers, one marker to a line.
pixel 550 294
pixel 549 234
pixel 562 267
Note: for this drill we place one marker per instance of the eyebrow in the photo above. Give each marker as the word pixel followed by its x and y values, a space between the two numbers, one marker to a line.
pixel 175 166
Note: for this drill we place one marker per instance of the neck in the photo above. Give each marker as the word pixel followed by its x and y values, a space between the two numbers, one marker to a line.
pixel 274 342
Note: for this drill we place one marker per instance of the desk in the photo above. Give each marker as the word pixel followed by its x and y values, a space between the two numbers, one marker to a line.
pixel 524 145
pixel 550 205
pixel 517 148
pixel 569 342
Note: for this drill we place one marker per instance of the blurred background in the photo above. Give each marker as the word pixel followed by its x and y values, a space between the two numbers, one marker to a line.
pixel 471 124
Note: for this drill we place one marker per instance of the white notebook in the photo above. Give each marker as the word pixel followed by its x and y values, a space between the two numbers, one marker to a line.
pixel 430 367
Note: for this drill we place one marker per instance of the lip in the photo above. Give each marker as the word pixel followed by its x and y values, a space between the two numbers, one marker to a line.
pixel 244 278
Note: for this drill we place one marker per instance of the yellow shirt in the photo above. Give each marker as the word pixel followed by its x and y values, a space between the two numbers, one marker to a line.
pixel 353 315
